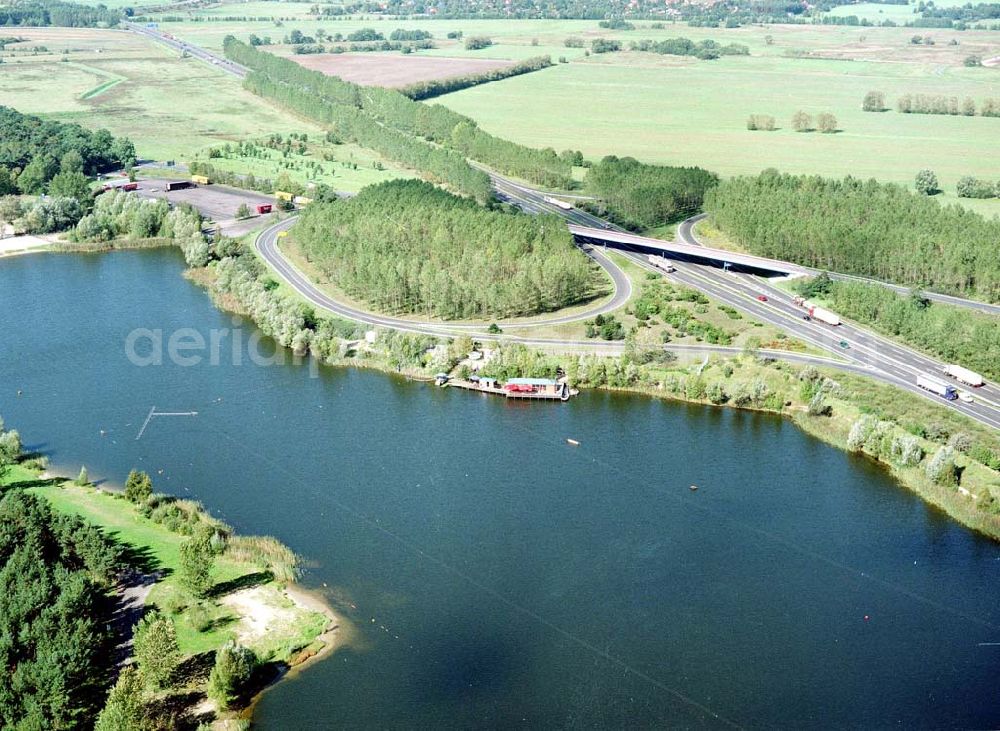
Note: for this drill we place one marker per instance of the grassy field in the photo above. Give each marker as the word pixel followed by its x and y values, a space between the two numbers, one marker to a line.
pixel 171 107
pixel 684 111
pixel 121 520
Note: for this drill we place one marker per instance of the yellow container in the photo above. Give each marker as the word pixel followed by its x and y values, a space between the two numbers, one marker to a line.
pixel 200 180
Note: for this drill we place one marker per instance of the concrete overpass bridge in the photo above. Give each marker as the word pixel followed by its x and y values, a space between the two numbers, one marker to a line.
pixel 677 250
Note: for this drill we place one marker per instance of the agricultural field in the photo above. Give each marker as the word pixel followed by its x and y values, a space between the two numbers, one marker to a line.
pixel 395 70
pixel 171 107
pixel 680 110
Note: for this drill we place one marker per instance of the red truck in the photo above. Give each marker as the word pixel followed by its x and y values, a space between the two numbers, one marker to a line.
pixel 263 208
pixel 130 186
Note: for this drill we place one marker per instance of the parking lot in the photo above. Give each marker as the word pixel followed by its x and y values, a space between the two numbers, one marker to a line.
pixel 217 203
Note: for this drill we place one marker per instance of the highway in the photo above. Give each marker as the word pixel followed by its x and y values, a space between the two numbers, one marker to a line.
pixel 266 245
pixel 866 351
pixel 220 62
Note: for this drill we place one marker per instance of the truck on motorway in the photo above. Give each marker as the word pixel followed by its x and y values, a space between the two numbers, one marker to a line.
pixel 817 313
pixel 660 262
pixel 942 389
pixel 556 202
pixel 963 375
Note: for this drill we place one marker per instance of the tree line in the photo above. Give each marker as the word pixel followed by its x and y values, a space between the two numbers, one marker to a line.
pixel 952 334
pixel 33 151
pixel 706 50
pixel 42 13
pixel 861 227
pixel 638 195
pixel 407 246
pixel 360 109
pixel 420 90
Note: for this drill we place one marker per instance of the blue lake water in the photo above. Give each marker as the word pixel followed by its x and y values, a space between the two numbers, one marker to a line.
pixel 494 576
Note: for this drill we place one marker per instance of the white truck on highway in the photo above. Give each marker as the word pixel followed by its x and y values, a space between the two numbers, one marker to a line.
pixel 660 262
pixel 963 375
pixel 942 389
pixel 556 202
pixel 817 313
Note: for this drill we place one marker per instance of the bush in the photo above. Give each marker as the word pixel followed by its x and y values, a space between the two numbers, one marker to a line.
pixel 874 102
pixel 970 187
pixel 476 43
pixel 199 618
pixel 926 182
pixel 906 450
pixel 234 665
pixel 941 468
pixel 138 487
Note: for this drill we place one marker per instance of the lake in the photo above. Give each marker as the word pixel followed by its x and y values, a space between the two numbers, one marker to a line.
pixel 489 573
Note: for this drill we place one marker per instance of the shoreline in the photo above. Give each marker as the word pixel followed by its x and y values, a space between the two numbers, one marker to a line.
pixel 274 617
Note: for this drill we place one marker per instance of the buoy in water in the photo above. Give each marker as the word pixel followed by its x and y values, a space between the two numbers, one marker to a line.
pixel 573 442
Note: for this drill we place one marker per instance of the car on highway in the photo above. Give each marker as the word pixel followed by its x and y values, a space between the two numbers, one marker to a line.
pixel 807 318
pixel 965 396
pixel 844 344
pixel 762 298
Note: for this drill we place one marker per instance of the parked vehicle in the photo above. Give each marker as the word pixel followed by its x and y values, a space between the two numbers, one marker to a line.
pixel 130 186
pixel 200 179
pixel 942 389
pixel 178 185
pixel 263 208
pixel 964 375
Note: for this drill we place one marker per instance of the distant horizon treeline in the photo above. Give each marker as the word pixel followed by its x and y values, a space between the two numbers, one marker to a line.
pixel 43 13
pixel 399 127
pixel 408 246
pixel 863 227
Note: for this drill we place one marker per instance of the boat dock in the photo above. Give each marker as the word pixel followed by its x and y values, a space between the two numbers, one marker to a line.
pixel 537 389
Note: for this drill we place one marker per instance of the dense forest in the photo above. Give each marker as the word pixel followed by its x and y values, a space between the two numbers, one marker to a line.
pixel 55 616
pixel 436 87
pixel 953 334
pixel 861 227
pixel 637 195
pixel 32 151
pixel 407 246
pixel 41 13
pixel 377 114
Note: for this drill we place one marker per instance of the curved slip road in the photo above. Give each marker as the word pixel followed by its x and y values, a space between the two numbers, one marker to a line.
pixel 266 245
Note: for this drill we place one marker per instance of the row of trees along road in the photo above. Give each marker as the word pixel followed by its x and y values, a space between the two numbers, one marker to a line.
pixel 861 227
pixel 396 125
pixel 953 334
pixel 407 246
pixel 645 196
